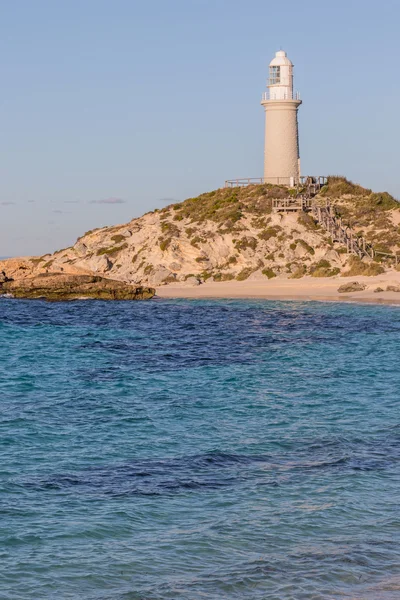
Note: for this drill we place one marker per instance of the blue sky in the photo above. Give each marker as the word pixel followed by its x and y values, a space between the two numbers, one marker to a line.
pixel 109 109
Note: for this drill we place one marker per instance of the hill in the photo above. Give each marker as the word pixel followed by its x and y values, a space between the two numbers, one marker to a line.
pixel 230 234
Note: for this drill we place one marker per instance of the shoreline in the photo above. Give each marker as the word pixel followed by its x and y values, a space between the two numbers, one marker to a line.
pixel 307 289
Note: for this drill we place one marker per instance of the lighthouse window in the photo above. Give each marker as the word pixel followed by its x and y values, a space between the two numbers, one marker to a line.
pixel 274 75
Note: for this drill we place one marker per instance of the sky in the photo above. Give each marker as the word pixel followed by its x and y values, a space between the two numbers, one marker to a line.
pixel 111 108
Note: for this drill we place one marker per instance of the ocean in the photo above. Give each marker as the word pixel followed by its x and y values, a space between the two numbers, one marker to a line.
pixel 194 450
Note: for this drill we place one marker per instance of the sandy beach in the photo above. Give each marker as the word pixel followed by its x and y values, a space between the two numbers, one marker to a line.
pixel 308 288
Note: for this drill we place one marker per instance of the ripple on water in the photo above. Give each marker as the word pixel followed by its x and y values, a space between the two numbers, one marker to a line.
pixel 199 449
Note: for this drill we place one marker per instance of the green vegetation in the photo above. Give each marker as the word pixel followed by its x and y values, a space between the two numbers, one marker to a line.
pixel 170 228
pixel 270 273
pixel 165 243
pixel 269 232
pixel 118 238
pixel 323 269
pixel 244 273
pixel 338 186
pixel 358 267
pixel 111 250
pixel 245 242
pixel 308 222
pixel 304 245
pixel 226 205
pixel 197 240
pixel 148 269
pixel 223 276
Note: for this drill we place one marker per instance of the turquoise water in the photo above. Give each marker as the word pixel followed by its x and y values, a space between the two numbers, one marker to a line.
pixel 199 450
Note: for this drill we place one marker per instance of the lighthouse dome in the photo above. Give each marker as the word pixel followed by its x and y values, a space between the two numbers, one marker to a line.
pixel 281 60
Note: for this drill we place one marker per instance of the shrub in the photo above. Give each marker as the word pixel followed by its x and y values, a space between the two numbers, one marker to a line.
pixel 323 269
pixel 246 242
pixel 169 279
pixel 338 186
pixel 111 250
pixel 269 273
pixel 269 232
pixel 165 243
pixel 358 267
pixel 244 273
pixel 118 238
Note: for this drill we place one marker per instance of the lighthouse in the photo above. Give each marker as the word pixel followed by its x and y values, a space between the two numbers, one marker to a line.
pixel 281 103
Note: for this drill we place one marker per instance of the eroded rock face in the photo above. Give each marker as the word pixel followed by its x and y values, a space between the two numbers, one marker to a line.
pixel 59 286
pixel 222 235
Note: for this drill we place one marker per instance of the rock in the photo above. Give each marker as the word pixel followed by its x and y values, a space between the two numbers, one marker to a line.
pixel 333 257
pixel 4 278
pixel 175 266
pixel 193 280
pixel 378 289
pixel 392 288
pixel 353 286
pixel 59 287
pixel 159 275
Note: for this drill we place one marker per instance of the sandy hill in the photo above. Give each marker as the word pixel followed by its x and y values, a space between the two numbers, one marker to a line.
pixel 229 234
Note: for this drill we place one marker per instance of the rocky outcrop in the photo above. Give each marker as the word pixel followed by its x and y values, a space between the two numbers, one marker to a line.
pixel 59 286
pixel 224 235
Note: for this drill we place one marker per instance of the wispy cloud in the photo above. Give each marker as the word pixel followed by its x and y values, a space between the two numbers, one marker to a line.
pixel 108 201
pixel 7 203
pixel 72 201
pixel 31 201
pixel 58 211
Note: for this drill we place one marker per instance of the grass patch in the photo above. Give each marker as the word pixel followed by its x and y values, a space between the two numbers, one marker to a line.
pixel 246 242
pixel 165 243
pixel 244 274
pixel 112 250
pixel 358 267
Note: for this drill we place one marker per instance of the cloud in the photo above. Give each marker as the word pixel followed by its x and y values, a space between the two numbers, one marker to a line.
pixel 58 212
pixel 7 203
pixel 72 201
pixel 31 201
pixel 108 201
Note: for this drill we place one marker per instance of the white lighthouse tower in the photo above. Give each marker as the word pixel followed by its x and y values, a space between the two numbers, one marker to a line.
pixel 281 103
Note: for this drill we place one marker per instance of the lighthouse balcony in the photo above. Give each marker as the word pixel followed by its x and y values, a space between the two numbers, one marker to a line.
pixel 279 94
